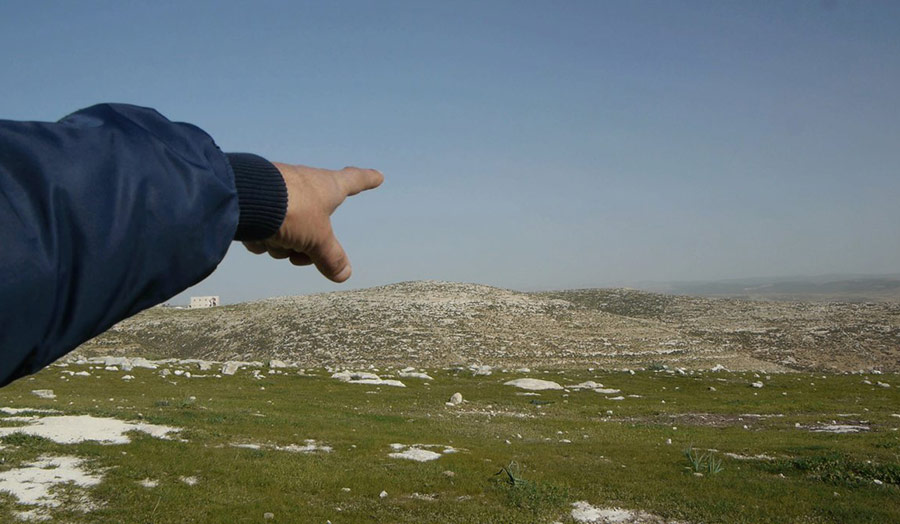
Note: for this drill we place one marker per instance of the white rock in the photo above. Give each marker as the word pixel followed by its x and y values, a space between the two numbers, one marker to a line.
pixel 414 374
pixel 756 384
pixel 585 513
pixel 607 391
pixel 44 393
pixel 32 484
pixel 590 384
pixel 371 379
pixel 456 399
pixel 230 367
pixel 480 370
pixel 74 429
pixel 349 376
pixel 141 362
pixel 277 364
pixel 127 377
pixel 884 384
pixel 416 454
pixel 533 384
pixel 718 367
pixel 383 494
pixel 148 483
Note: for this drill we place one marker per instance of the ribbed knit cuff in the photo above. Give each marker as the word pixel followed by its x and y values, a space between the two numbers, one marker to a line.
pixel 262 196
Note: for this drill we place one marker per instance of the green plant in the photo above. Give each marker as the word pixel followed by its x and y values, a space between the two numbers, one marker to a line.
pixel 534 497
pixel 706 463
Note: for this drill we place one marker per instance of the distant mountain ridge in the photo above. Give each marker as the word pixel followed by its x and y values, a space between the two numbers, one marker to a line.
pixel 429 323
pixel 833 288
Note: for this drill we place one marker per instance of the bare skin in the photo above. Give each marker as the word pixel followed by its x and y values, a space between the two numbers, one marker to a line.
pixel 306 236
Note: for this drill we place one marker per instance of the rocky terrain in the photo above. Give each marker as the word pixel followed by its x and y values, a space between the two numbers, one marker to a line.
pixel 440 324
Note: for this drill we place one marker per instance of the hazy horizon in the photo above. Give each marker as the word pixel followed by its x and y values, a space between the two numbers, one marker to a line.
pixel 183 299
pixel 526 145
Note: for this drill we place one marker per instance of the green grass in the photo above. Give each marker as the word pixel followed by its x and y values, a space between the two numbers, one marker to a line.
pixel 621 459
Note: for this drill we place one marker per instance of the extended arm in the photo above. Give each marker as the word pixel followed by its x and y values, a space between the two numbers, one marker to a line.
pixel 115 209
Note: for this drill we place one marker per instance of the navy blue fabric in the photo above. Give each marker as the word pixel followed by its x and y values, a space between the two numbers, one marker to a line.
pixel 105 213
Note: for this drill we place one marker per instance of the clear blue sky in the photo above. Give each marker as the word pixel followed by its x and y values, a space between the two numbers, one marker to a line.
pixel 526 144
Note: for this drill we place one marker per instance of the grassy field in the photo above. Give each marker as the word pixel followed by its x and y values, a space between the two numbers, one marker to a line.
pixel 557 447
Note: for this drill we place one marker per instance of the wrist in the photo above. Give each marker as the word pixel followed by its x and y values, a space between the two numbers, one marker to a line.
pixel 262 196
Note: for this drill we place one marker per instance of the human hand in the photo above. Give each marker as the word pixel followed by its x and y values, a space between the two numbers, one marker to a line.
pixel 306 237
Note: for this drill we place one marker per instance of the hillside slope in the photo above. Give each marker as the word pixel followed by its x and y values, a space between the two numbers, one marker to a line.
pixel 439 323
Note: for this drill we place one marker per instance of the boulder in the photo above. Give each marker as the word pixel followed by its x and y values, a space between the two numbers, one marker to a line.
pixel 230 367
pixel 533 384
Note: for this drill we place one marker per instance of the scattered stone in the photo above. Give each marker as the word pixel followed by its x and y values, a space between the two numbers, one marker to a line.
pixel 455 399
pixel 607 391
pixel 584 513
pixel 417 452
pixel 838 428
pixel 190 481
pixel 883 384
pixel 718 367
pixel 711 388
pixel 383 494
pixel 16 411
pixel 352 377
pixel 149 483
pixel 480 371
pixel 268 516
pixel 277 364
pixel 756 384
pixel 74 429
pixel 44 393
pixel 230 368
pixel 414 374
pixel 737 456
pixel 533 384
pixel 127 377
pixel 33 483
pixel 590 384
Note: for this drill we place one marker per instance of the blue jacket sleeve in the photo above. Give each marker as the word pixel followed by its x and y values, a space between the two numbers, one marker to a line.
pixel 107 212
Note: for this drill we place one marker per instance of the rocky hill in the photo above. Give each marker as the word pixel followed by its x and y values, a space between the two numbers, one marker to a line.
pixel 439 323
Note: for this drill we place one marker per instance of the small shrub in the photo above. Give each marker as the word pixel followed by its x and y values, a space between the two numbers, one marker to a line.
pixel 706 463
pixel 531 496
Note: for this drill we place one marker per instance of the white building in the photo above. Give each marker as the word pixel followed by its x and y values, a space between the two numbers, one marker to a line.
pixel 202 302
